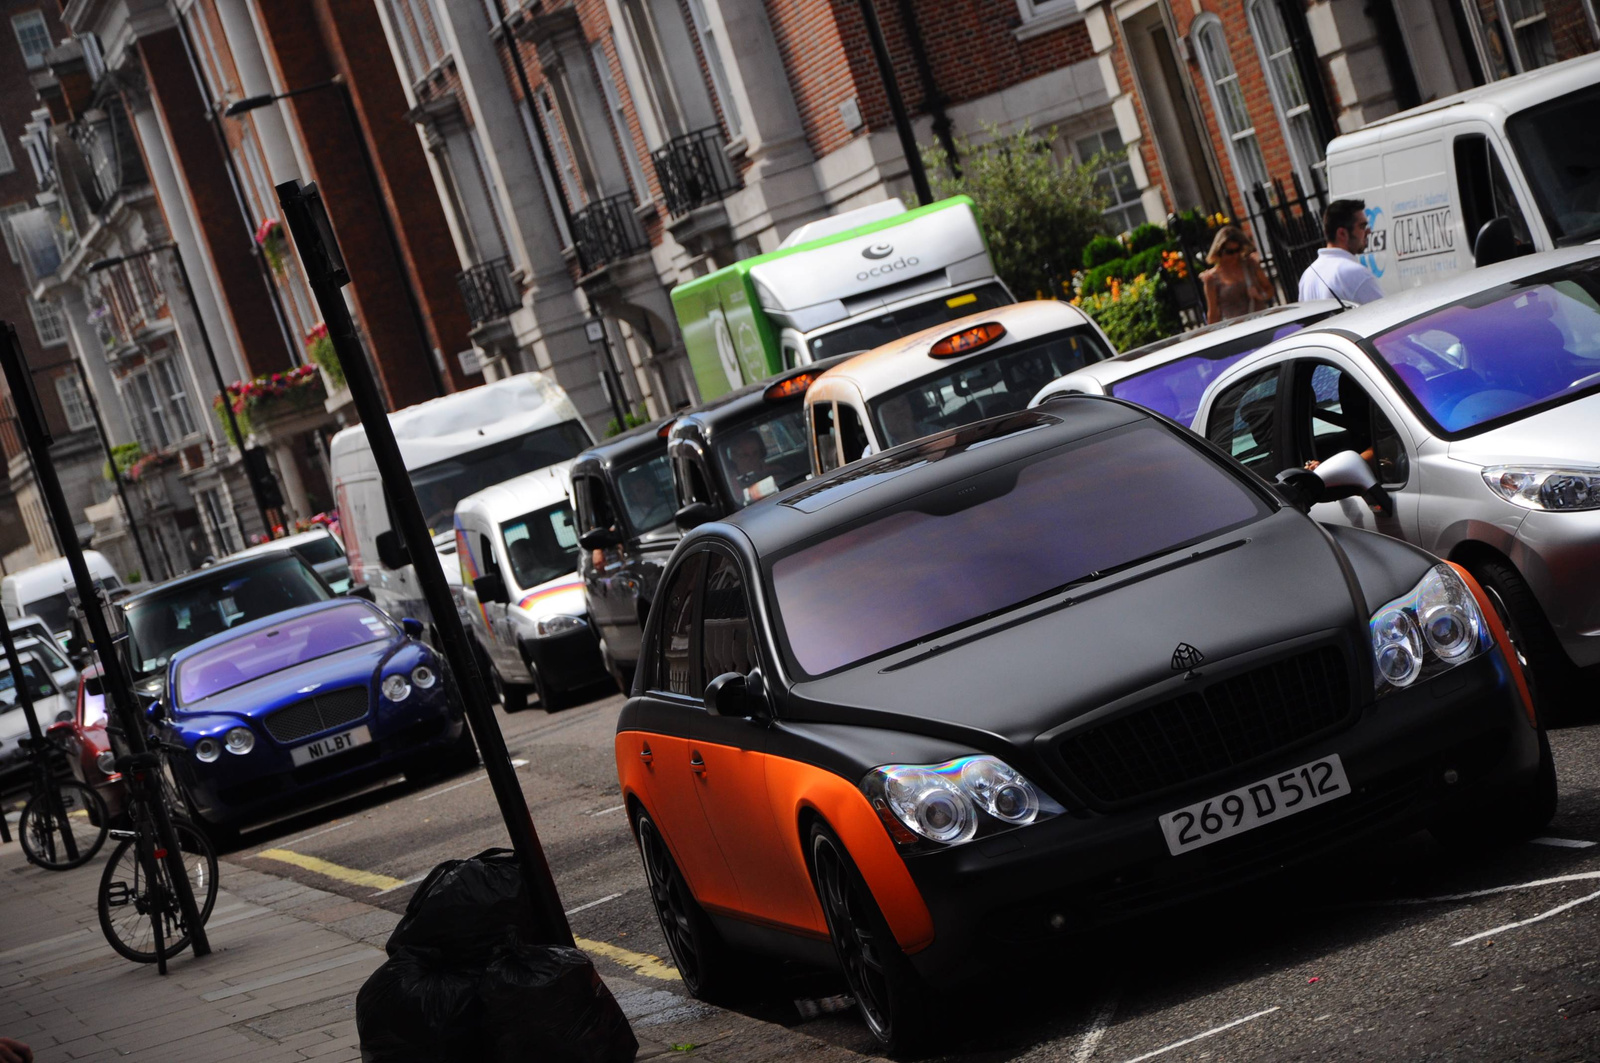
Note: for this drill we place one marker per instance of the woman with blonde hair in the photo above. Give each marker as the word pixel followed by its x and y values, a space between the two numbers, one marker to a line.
pixel 1236 284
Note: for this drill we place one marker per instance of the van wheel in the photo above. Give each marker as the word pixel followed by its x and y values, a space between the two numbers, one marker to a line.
pixel 513 697
pixel 1550 674
pixel 550 699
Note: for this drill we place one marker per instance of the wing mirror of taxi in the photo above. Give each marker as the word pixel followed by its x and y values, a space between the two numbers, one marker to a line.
pixel 599 538
pixel 694 514
pixel 411 626
pixel 491 587
pixel 732 694
pixel 391 551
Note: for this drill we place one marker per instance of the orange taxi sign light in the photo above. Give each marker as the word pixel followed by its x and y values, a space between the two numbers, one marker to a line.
pixel 666 426
pixel 968 340
pixel 792 388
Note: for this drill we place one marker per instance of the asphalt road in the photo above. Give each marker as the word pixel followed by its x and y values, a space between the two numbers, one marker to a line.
pixel 1376 956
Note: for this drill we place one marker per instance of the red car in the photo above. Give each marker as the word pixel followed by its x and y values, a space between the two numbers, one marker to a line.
pixel 87 745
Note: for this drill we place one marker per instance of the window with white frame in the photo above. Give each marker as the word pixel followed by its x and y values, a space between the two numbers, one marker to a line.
pixel 148 413
pixel 1043 14
pixel 414 68
pixel 48 322
pixel 170 385
pixel 33 37
pixel 5 227
pixel 6 165
pixel 711 49
pixel 1288 93
pixel 427 41
pixel 1530 26
pixel 1228 99
pixel 1113 178
pixel 74 403
pixel 223 528
pixel 550 118
pixel 619 120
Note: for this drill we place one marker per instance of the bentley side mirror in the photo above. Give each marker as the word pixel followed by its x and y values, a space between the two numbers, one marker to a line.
pixel 491 587
pixel 1496 242
pixel 599 538
pixel 391 551
pixel 694 514
pixel 154 711
pixel 732 694
pixel 411 626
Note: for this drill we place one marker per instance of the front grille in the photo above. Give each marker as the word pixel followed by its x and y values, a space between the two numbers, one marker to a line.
pixel 1200 733
pixel 318 713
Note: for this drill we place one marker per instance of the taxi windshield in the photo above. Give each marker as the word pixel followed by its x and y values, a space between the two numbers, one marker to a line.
pixel 763 455
pixel 541 545
pixel 938 561
pixel 647 494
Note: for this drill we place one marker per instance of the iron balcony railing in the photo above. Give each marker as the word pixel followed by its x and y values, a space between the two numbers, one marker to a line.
pixel 693 170
pixel 488 290
pixel 607 231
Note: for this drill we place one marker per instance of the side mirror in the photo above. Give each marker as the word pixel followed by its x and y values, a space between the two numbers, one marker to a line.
pixel 732 694
pixel 411 626
pixel 1346 475
pixel 599 538
pixel 695 514
pixel 491 587
pixel 362 591
pixel 391 551
pixel 1495 242
pixel 61 728
pixel 154 711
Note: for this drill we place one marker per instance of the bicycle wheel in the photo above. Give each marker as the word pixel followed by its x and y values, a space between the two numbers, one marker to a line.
pixel 129 903
pixel 58 845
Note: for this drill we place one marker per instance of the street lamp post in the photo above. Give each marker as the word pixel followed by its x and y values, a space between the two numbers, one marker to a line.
pixel 211 357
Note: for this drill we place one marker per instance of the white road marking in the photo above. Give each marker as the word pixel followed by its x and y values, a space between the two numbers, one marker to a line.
pixel 593 904
pixel 519 764
pixel 1096 1029
pixel 412 881
pixel 607 811
pixel 457 786
pixel 1202 1036
pixel 1562 843
pixel 1557 910
pixel 1582 876
pixel 314 834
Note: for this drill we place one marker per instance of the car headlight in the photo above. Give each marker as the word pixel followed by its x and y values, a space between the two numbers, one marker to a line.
pixel 395 688
pixel 1545 487
pixel 207 750
pixel 106 761
pixel 423 677
pixel 239 741
pixel 559 624
pixel 1438 625
pixel 954 802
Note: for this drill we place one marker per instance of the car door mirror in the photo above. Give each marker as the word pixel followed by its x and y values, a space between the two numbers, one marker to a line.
pixel 732 694
pixel 61 728
pixel 1346 475
pixel 411 626
pixel 491 587
pixel 153 710
pixel 599 538
pixel 1496 242
pixel 694 514
pixel 391 551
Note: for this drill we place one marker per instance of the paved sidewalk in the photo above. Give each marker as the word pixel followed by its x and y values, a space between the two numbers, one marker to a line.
pixel 279 985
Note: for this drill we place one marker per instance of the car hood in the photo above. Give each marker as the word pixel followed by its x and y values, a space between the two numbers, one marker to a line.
pixel 260 696
pixel 14 722
pixel 1272 582
pixel 1562 435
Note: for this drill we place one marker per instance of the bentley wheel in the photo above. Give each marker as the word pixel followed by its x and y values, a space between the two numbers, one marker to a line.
pixel 890 996
pixel 693 942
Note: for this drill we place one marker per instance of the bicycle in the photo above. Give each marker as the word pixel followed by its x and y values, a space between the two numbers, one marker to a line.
pixel 64 823
pixel 137 903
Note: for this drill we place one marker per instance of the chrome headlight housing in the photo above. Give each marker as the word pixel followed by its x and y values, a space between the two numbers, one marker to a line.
pixel 395 688
pixel 933 806
pixel 239 741
pixel 423 677
pixel 207 750
pixel 1437 626
pixel 557 624
pixel 1548 487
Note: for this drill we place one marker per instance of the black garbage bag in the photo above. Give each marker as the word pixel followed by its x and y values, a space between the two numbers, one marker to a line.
pixel 547 1003
pixel 419 1008
pixel 467 908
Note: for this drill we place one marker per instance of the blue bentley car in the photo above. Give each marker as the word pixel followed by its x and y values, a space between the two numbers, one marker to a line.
pixel 286 710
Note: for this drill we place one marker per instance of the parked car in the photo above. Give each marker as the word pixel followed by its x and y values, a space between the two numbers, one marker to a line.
pixel 291 708
pixel 88 747
pixel 1476 401
pixel 49 706
pixel 520 595
pixel 1169 376
pixel 947 376
pixel 743 446
pixel 987 690
pixel 33 638
pixel 42 591
pixel 625 501
pixel 319 548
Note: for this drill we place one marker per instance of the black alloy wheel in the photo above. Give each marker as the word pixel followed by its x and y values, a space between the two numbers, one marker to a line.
pixel 690 937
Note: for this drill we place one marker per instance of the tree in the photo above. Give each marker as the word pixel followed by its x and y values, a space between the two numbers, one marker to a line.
pixel 1037 211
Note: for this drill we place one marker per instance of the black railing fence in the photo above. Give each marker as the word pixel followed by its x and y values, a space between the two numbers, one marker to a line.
pixel 693 170
pixel 607 231
pixel 1288 221
pixel 489 290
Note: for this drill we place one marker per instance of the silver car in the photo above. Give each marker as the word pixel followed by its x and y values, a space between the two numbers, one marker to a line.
pixel 1169 376
pixel 1476 402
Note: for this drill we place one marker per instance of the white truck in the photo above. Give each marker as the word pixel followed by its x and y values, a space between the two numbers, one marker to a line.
pixel 452 446
pixel 1507 169
pixel 42 590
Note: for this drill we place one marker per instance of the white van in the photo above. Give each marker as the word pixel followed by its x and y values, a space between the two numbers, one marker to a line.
pixel 1521 153
pixel 452 446
pixel 521 595
pixel 42 591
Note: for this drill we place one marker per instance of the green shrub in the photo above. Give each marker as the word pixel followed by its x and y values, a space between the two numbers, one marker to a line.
pixel 1101 250
pixel 1137 314
pixel 1098 279
pixel 1147 262
pixel 1145 237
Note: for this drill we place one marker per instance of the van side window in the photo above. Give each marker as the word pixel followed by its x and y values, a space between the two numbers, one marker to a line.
pixel 825 441
pixel 1486 192
pixel 852 433
pixel 673 666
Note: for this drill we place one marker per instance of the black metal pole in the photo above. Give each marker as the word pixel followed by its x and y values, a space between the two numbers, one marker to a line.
pixel 897 106
pixel 933 97
pixel 306 217
pixel 118 692
pixel 541 139
pixel 116 473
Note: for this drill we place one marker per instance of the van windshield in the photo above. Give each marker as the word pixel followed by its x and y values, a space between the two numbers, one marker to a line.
pixel 444 483
pixel 56 610
pixel 878 329
pixel 541 545
pixel 1563 169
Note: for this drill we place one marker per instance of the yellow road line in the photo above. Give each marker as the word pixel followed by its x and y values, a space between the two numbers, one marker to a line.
pixel 335 871
pixel 637 962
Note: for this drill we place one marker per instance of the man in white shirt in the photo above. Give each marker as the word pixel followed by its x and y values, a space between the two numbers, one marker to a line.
pixel 1337 273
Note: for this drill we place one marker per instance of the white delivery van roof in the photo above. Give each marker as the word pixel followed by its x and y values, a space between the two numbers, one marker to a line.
pixel 51 578
pixel 518 496
pixel 838 223
pixel 454 424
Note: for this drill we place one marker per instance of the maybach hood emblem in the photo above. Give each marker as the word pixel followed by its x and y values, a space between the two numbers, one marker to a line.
pixel 1186 657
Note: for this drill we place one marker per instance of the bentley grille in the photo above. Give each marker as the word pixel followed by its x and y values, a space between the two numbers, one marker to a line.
pixel 318 713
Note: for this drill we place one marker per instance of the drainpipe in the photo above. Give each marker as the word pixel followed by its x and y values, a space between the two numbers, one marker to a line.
pixel 933 99
pixel 541 139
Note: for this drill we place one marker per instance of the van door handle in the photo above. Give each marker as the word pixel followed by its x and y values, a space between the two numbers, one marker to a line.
pixel 645 754
pixel 696 764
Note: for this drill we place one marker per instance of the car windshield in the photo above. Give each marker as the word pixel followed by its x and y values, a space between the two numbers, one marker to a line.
pixel 163 622
pixel 34 674
pixel 765 454
pixel 44 652
pixel 647 494
pixel 56 609
pixel 1031 527
pixel 1563 169
pixel 258 653
pixel 319 550
pixel 984 385
pixel 1174 389
pixel 1508 350
pixel 444 483
pixel 874 331
pixel 541 545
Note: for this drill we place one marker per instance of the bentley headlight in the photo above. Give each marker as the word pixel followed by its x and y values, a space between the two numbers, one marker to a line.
pixel 1545 487
pixel 423 677
pixel 954 802
pixel 558 624
pixel 239 741
pixel 207 750
pixel 395 688
pixel 1435 627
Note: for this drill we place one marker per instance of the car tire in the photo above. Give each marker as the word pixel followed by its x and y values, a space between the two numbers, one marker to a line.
pixel 1517 814
pixel 513 697
pixel 549 699
pixel 896 1004
pixel 1549 672
pixel 703 961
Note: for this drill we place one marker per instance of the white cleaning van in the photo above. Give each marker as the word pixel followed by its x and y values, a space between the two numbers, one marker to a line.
pixel 1507 169
pixel 453 446
pixel 42 591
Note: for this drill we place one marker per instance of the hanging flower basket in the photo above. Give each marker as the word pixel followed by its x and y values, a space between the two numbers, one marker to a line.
pixel 269 237
pixel 150 464
pixel 267 397
pixel 319 348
